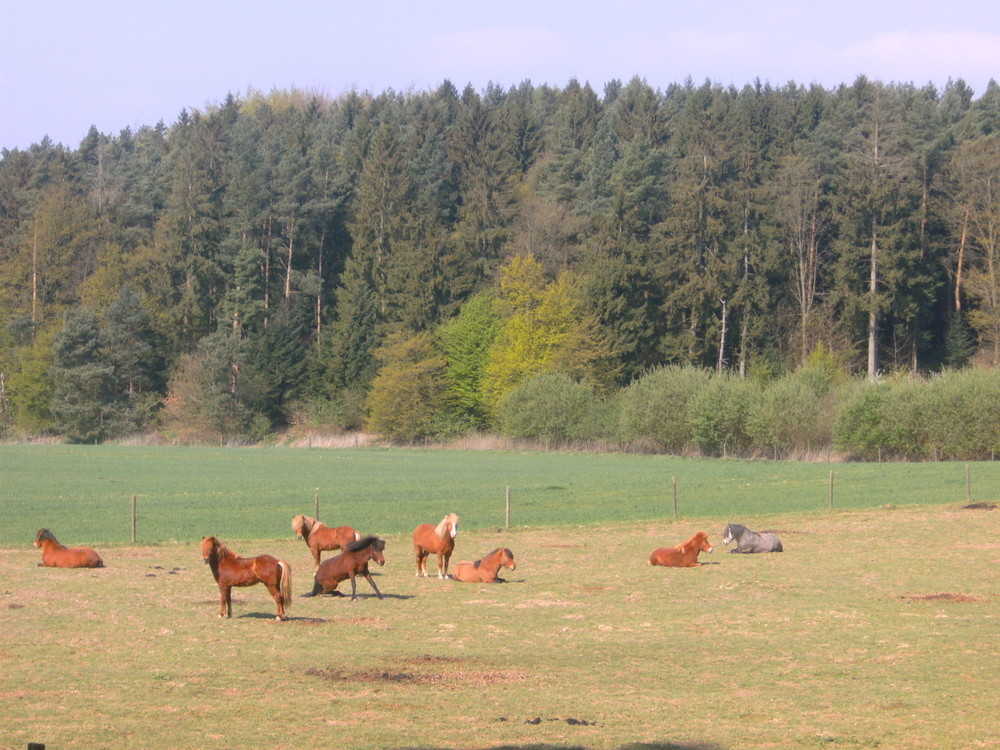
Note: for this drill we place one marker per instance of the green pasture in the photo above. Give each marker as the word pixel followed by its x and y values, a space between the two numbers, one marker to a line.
pixel 874 629
pixel 83 493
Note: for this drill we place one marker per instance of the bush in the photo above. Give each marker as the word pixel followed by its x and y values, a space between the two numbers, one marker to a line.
pixel 656 407
pixel 787 416
pixel 720 414
pixel 550 407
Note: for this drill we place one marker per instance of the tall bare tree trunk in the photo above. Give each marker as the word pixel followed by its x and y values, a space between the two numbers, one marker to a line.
pixel 873 310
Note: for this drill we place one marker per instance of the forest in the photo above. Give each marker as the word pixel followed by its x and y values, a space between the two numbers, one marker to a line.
pixel 550 263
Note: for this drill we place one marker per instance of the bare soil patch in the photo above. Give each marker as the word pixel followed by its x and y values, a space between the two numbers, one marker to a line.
pixel 943 597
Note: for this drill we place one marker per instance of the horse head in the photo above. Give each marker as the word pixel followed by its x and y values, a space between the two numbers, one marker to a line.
pixel 698 542
pixel 302 525
pixel 42 536
pixel 507 559
pixel 731 532
pixel 373 544
pixel 448 526
pixel 210 548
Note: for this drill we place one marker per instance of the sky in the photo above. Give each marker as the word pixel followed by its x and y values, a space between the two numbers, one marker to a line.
pixel 67 65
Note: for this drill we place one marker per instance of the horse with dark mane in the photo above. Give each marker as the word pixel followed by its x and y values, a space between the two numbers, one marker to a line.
pixel 683 555
pixel 486 568
pixel 231 570
pixel 54 555
pixel 353 561
pixel 429 539
pixel 319 537
pixel 748 542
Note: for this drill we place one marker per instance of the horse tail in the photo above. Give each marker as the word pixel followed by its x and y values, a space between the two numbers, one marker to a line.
pixel 286 583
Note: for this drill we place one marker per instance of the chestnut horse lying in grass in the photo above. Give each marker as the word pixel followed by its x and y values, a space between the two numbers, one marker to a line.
pixel 320 537
pixel 231 570
pixel 485 569
pixel 440 539
pixel 683 555
pixel 353 561
pixel 54 555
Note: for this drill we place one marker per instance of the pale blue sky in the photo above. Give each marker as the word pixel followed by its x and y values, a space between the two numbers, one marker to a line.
pixel 68 64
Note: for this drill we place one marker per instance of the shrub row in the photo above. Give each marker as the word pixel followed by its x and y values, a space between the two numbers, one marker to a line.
pixel 684 410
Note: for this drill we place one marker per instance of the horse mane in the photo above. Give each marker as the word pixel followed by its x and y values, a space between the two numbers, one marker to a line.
pixel 44 534
pixel 442 528
pixel 210 545
pixel 303 526
pixel 360 544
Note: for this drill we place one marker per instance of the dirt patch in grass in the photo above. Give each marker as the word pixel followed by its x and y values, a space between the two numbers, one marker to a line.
pixel 425 670
pixel 942 597
pixel 980 506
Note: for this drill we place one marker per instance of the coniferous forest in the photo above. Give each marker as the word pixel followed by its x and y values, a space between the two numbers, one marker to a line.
pixel 732 271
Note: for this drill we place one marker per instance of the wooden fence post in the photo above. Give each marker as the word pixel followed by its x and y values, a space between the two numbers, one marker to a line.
pixel 507 505
pixel 133 518
pixel 831 490
pixel 968 485
pixel 673 484
pixel 316 502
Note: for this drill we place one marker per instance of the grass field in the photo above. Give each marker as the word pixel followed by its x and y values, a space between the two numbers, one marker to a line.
pixel 875 628
pixel 83 493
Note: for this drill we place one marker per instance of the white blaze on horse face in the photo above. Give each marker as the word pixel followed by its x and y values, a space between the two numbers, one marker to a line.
pixel 454 530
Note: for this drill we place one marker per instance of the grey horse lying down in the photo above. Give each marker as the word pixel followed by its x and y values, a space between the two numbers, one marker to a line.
pixel 750 541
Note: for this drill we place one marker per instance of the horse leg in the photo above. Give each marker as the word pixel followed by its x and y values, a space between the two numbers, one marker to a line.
pixel 354 588
pixel 443 559
pixel 278 598
pixel 421 563
pixel 315 552
pixel 226 604
pixel 372 582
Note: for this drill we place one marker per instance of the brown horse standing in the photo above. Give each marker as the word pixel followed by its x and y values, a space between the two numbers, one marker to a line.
pixel 319 537
pixel 353 561
pixel 485 569
pixel 231 570
pixel 683 555
pixel 54 555
pixel 438 539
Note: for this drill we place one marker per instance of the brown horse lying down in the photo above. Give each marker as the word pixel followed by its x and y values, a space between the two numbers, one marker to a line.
pixel 683 555
pixel 229 569
pixel 440 539
pixel 54 555
pixel 485 569
pixel 353 561
pixel 319 537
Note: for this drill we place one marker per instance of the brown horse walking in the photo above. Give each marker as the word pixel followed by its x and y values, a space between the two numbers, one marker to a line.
pixel 320 537
pixel 485 569
pixel 231 570
pixel 352 562
pixel 683 555
pixel 54 555
pixel 438 539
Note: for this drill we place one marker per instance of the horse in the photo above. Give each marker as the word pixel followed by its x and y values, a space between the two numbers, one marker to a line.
pixel 319 537
pixel 54 555
pixel 353 561
pixel 439 539
pixel 748 541
pixel 485 569
pixel 231 570
pixel 683 555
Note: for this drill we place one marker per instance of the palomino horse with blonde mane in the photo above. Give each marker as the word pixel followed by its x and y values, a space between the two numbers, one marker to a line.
pixel 352 562
pixel 231 570
pixel 683 555
pixel 485 569
pixel 319 537
pixel 54 555
pixel 440 540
